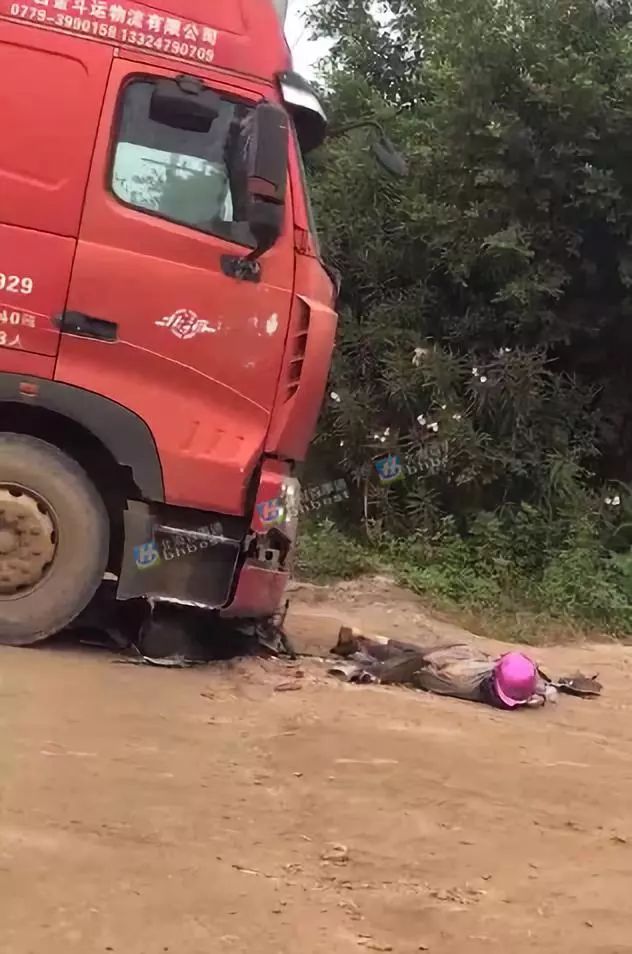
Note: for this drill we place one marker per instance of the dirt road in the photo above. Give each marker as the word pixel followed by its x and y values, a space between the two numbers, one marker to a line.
pixel 145 811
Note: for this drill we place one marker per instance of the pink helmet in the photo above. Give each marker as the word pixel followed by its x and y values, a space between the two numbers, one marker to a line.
pixel 515 679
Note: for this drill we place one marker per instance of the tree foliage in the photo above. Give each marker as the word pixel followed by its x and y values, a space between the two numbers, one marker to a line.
pixel 486 306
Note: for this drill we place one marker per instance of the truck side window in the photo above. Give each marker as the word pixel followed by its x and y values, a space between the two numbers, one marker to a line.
pixel 309 208
pixel 183 176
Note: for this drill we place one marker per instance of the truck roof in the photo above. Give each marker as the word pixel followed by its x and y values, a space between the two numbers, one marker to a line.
pixel 244 36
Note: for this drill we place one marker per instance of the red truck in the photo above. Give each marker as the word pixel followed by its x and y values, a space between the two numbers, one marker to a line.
pixel 166 323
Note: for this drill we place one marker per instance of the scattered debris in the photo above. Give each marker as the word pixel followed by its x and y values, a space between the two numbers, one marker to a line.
pixel 337 854
pixel 249 871
pixel 461 896
pixel 166 662
pixel 179 637
pixel 351 908
pixel 578 684
pixel 254 871
pixel 172 635
pixel 349 672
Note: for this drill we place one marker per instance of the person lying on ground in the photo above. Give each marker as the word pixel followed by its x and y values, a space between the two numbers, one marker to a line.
pixel 508 681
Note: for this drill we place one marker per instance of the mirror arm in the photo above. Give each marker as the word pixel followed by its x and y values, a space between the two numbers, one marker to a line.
pixel 360 124
pixel 245 268
pixel 393 163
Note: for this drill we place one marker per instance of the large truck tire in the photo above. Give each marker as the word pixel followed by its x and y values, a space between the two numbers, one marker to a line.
pixel 54 539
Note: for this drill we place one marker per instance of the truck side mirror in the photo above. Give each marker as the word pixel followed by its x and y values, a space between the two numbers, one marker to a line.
pixel 263 168
pixel 266 152
pixel 389 158
pixel 384 151
pixel 184 103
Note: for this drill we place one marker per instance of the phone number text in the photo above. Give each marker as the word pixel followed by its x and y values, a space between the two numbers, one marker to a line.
pixel 110 31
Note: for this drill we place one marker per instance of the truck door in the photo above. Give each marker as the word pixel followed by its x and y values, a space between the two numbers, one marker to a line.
pixel 50 98
pixel 153 321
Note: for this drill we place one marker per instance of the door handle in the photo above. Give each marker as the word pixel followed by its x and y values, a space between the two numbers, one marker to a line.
pixel 76 323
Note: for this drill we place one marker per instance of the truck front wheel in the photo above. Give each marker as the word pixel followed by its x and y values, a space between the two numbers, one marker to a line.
pixel 54 539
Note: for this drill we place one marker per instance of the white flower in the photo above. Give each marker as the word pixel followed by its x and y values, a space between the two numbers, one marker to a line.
pixel 443 407
pixel 387 431
pixel 475 372
pixel 418 354
pixel 382 440
pixel 433 426
pixel 483 378
pixel 456 417
pixel 608 500
pixel 376 437
pixel 342 443
pixel 335 397
pixel 421 419
pixel 507 350
pixel 616 501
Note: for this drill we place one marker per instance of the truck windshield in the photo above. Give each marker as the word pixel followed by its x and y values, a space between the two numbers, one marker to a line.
pixel 187 177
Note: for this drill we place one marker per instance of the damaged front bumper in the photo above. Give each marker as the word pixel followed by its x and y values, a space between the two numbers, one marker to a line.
pixel 235 565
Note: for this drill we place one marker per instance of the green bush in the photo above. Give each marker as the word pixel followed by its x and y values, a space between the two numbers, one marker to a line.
pixel 508 568
pixel 486 302
pixel 583 582
pixel 325 553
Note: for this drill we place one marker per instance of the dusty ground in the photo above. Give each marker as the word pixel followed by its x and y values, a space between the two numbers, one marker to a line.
pixel 144 810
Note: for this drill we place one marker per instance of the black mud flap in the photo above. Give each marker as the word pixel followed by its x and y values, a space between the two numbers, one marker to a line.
pixel 164 560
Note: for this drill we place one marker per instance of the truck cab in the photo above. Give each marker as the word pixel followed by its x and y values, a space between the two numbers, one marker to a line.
pixel 166 323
